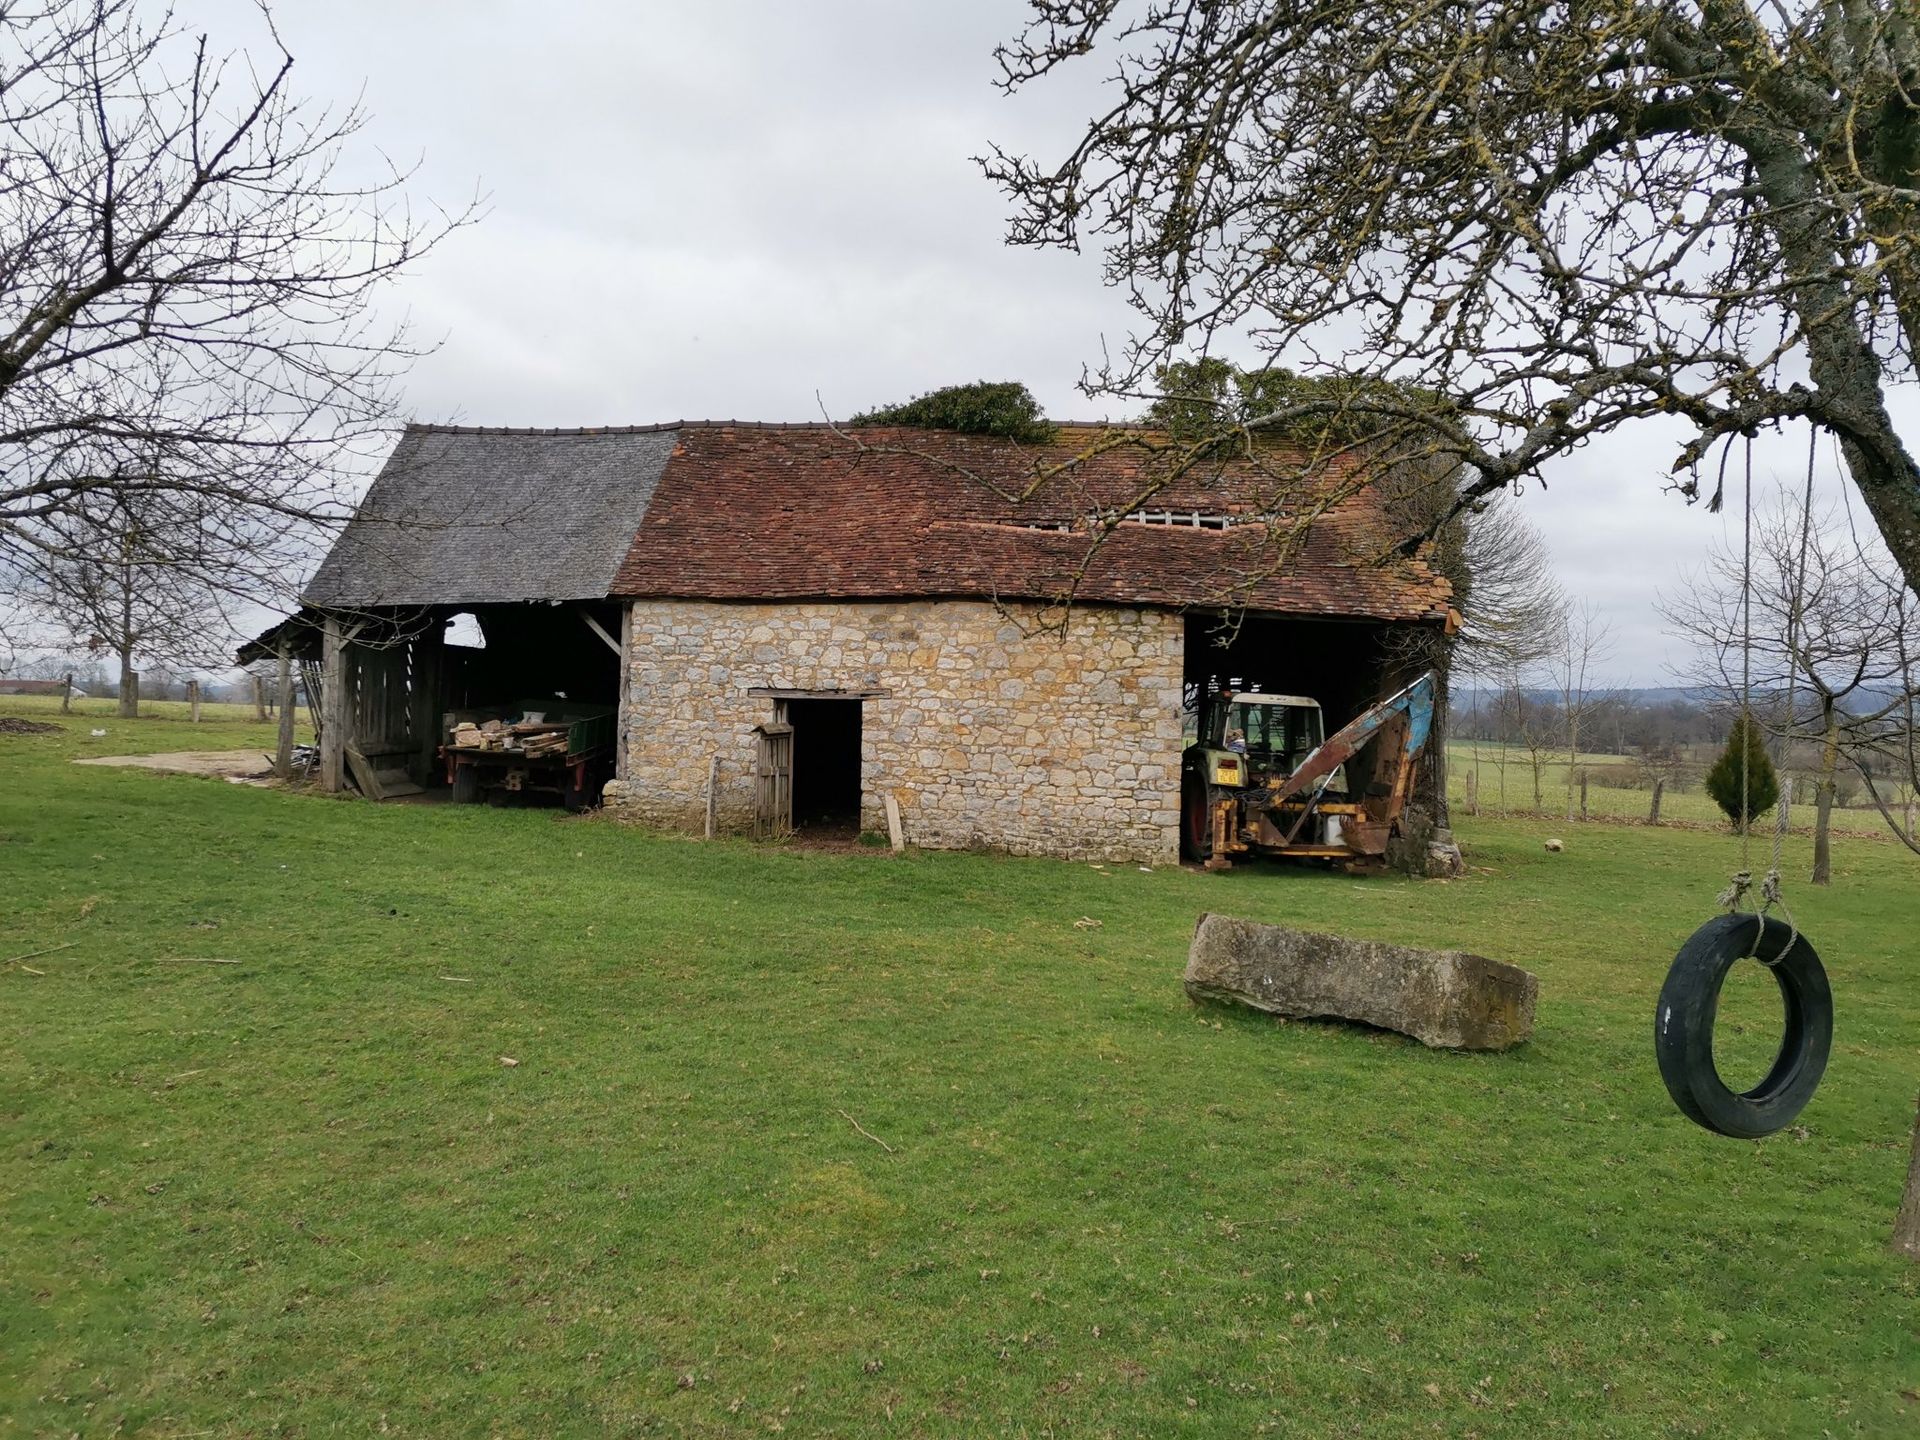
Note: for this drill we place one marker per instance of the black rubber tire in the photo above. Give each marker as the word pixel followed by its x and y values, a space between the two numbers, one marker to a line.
pixel 1690 1001
pixel 466 785
pixel 1196 824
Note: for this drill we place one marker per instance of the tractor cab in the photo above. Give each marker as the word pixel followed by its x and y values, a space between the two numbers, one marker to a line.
pixel 1272 734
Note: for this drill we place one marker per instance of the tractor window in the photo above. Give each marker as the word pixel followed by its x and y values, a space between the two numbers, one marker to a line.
pixel 1282 733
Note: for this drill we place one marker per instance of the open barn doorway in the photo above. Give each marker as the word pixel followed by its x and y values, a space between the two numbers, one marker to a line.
pixel 826 765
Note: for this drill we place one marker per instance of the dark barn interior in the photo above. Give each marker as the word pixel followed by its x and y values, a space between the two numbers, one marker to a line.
pixel 539 652
pixel 826 763
pixel 1346 665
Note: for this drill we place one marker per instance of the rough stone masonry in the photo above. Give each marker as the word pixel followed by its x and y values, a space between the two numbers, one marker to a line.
pixel 991 730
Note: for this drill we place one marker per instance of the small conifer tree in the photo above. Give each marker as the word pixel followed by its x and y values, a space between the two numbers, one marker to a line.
pixel 1723 780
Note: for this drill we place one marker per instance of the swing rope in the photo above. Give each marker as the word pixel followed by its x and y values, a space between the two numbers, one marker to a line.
pixel 1741 883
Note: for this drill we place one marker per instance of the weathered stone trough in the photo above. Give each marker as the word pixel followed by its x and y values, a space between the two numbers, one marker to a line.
pixel 1447 999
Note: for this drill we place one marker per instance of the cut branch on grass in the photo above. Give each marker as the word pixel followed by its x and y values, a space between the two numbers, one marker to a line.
pixel 866 1132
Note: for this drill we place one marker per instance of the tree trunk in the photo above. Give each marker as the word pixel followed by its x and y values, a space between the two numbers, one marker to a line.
pixel 193 701
pixel 1539 799
pixel 1823 806
pixel 1473 792
pixel 66 695
pixel 1583 794
pixel 1653 813
pixel 259 700
pixel 283 749
pixel 1906 1225
pixel 129 687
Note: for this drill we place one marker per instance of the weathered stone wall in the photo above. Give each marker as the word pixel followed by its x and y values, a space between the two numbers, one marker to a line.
pixel 988 734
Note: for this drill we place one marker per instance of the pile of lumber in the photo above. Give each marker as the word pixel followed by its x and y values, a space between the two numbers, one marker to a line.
pixel 526 738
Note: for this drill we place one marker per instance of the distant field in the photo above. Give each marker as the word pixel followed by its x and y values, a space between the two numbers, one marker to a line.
pixel 1515 794
pixel 221 727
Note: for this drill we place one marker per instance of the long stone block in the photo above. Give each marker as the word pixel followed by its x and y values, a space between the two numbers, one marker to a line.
pixel 1447 999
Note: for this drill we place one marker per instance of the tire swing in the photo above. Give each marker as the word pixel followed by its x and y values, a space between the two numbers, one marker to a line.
pixel 1689 1003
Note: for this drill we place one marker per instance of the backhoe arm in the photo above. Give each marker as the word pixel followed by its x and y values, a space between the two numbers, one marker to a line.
pixel 1415 702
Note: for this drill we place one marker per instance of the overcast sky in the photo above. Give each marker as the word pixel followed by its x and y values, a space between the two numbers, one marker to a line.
pixel 722 209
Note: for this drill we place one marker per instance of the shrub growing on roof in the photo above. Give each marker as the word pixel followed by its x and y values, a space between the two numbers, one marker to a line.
pixel 986 407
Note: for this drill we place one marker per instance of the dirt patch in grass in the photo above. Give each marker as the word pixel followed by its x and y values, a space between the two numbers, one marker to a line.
pixel 14 725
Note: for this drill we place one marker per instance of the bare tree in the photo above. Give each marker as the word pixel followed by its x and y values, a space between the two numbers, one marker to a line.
pixel 1562 218
pixel 1579 648
pixel 1820 617
pixel 1515 607
pixel 117 578
pixel 189 269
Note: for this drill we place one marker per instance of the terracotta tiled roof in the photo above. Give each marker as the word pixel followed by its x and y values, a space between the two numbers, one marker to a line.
pixel 761 512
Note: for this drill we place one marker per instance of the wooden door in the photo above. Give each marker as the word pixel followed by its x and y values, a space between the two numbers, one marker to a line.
pixel 773 809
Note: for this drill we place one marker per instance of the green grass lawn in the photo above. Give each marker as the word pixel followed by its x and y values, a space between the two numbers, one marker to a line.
pixel 303 1194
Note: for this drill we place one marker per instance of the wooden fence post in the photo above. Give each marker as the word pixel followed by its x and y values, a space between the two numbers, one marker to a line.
pixel 283 749
pixel 713 795
pixel 193 701
pixel 1653 813
pixel 1473 792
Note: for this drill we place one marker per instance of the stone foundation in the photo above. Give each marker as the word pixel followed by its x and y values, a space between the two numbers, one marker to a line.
pixel 987 733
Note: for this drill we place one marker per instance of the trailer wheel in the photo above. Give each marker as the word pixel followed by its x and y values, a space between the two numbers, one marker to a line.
pixel 1690 1001
pixel 1196 824
pixel 466 785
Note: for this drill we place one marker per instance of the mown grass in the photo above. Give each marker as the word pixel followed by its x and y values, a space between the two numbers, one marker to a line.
pixel 303 1194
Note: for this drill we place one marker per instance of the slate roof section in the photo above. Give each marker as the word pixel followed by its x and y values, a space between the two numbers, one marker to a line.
pixel 462 516
pixel 761 512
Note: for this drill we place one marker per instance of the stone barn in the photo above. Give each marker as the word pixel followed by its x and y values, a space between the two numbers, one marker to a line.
pixel 794 624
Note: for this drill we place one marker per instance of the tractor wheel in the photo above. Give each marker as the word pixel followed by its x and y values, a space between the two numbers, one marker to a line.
pixel 1196 821
pixel 466 785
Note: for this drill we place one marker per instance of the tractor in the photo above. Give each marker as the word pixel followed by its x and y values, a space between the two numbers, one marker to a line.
pixel 1264 777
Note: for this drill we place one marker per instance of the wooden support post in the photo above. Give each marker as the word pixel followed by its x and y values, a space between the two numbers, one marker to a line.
pixel 1473 792
pixel 626 685
pixel 429 691
pixel 896 833
pixel 193 702
pixel 1653 812
pixel 283 748
pixel 333 708
pixel 66 695
pixel 713 795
